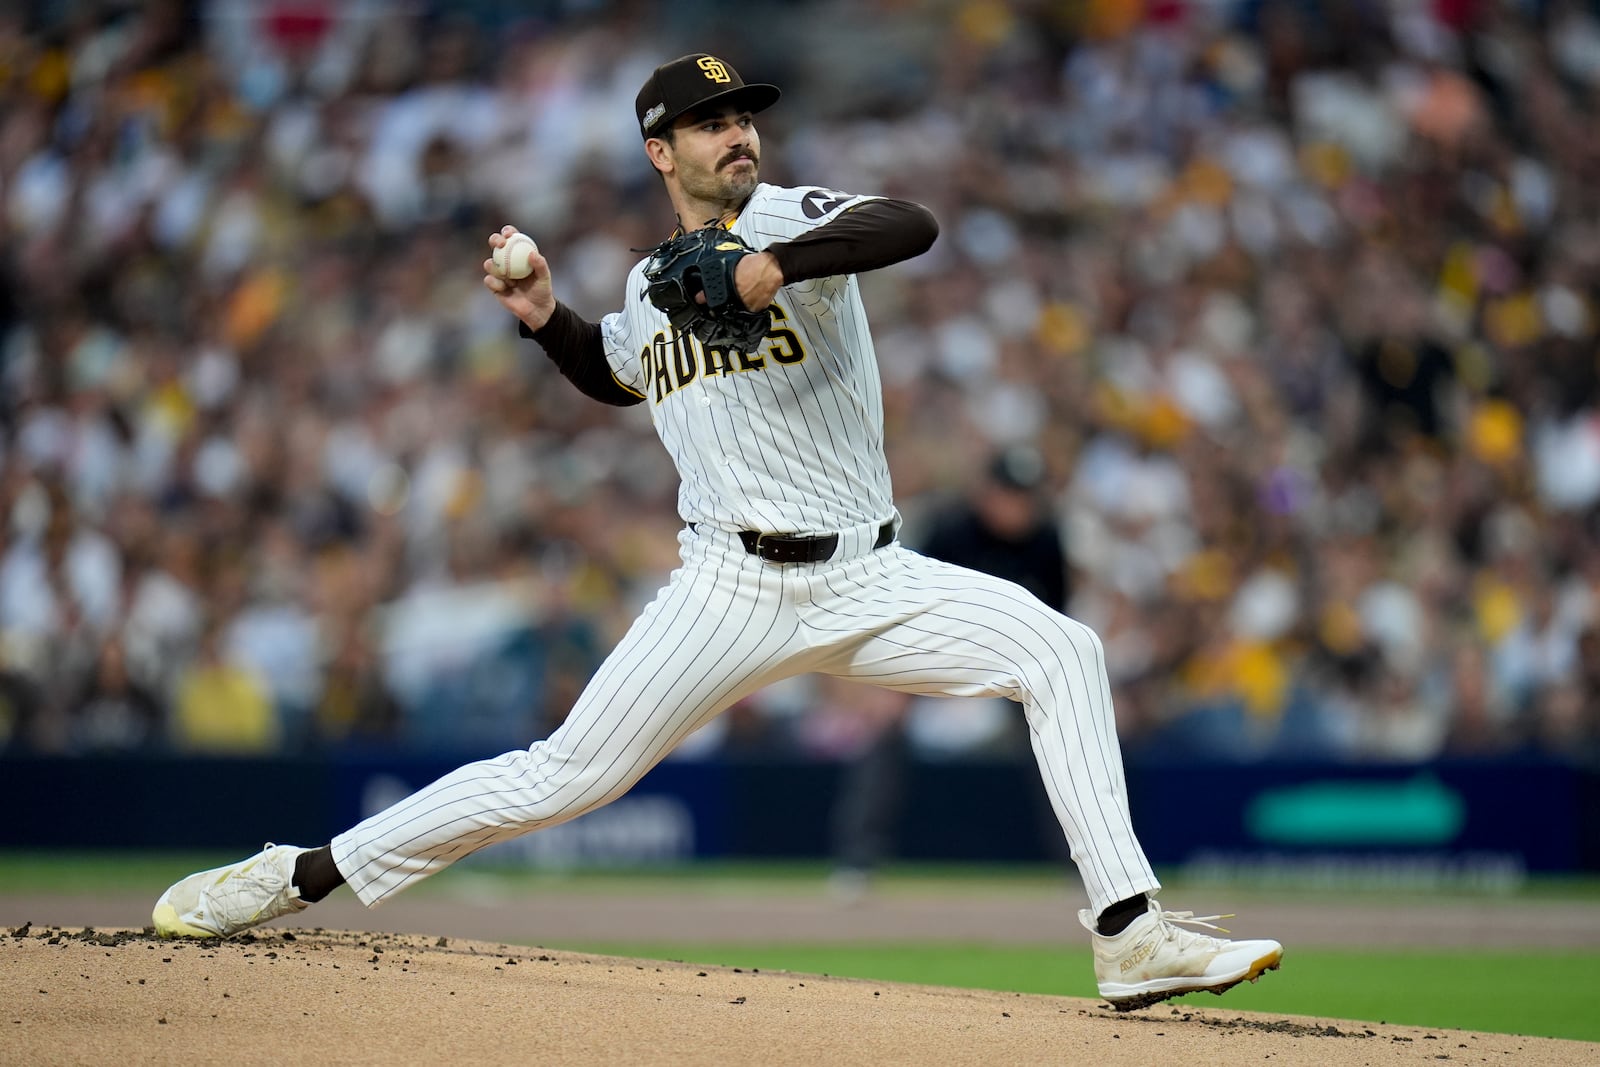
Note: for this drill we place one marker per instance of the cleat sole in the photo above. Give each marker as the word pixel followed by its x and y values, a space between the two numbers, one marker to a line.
pixel 1253 973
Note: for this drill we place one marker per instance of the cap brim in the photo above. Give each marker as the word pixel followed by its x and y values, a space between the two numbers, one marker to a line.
pixel 751 98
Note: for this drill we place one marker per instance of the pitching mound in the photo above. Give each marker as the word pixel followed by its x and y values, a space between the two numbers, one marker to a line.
pixel 88 996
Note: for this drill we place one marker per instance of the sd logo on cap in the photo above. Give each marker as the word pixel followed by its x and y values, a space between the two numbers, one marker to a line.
pixel 693 81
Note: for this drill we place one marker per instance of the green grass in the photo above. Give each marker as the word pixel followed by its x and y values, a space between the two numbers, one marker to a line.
pixel 90 872
pixel 1538 994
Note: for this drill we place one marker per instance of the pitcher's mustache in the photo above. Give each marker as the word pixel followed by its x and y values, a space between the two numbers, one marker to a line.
pixel 734 157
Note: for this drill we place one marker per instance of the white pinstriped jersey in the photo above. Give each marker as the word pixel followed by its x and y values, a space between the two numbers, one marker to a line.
pixel 787 439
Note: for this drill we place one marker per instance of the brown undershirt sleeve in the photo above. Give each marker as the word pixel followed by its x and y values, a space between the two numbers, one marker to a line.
pixel 874 234
pixel 575 347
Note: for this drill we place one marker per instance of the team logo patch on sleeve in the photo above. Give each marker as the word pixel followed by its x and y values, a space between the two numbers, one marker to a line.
pixel 820 202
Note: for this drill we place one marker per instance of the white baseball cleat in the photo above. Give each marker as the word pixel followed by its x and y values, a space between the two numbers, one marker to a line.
pixel 228 900
pixel 1154 959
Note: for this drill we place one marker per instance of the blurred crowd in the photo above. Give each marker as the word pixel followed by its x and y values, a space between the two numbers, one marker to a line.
pixel 1299 303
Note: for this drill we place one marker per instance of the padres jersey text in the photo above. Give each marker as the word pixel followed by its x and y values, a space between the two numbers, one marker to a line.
pixel 788 437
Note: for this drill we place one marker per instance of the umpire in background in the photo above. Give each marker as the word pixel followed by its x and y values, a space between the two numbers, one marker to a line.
pixel 1003 527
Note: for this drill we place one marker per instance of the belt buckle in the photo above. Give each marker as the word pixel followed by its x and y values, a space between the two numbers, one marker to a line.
pixel 783 548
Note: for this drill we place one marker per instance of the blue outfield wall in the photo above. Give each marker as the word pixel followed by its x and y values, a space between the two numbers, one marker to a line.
pixel 1527 815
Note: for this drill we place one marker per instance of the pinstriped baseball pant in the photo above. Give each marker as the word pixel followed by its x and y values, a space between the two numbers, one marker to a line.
pixel 728 623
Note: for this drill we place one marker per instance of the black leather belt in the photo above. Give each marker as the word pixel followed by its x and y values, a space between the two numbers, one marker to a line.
pixel 775 548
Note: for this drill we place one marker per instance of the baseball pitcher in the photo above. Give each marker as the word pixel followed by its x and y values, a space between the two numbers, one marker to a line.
pixel 745 337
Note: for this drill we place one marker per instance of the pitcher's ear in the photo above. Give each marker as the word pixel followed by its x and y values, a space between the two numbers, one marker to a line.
pixel 660 153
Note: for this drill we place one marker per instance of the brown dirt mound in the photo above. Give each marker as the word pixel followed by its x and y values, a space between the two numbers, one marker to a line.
pixel 92 996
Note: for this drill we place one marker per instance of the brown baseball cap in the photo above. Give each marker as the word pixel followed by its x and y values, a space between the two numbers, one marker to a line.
pixel 693 81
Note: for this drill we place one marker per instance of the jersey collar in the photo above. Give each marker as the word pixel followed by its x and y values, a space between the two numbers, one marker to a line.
pixel 726 222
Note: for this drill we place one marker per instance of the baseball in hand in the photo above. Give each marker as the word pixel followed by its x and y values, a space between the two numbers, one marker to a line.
pixel 512 259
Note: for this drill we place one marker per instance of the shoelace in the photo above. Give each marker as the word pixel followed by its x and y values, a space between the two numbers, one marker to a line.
pixel 247 887
pixel 1189 918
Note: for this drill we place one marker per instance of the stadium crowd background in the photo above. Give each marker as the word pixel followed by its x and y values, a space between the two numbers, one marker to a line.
pixel 1300 303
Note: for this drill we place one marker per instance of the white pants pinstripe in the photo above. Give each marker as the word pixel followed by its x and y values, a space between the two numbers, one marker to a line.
pixel 727 624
